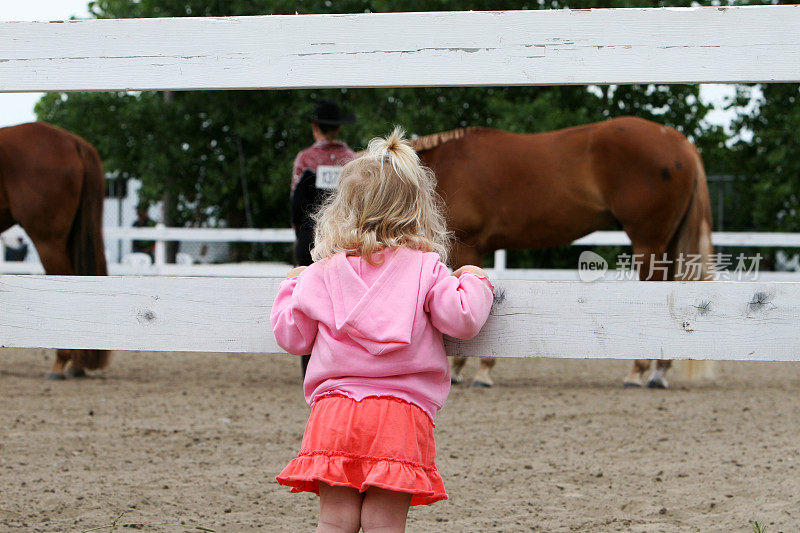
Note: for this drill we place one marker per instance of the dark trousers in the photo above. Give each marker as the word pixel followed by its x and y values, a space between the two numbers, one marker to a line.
pixel 302 257
pixel 302 246
pixel 305 198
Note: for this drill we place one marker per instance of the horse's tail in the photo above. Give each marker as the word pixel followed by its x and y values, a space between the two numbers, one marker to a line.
pixel 693 240
pixel 86 248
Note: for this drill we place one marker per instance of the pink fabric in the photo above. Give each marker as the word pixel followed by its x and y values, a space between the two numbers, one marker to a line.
pixel 334 153
pixel 382 337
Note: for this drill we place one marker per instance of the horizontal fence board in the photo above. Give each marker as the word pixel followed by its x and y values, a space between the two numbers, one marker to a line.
pixel 286 235
pixel 597 238
pixel 718 238
pixel 543 47
pixel 630 319
pixel 134 313
pixel 201 234
pixel 260 270
pixel 627 319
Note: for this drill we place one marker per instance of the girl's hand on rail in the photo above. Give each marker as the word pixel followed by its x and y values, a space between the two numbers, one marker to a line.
pixel 471 268
pixel 295 271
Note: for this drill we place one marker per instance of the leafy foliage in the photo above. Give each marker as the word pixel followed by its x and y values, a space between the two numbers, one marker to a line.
pixel 769 159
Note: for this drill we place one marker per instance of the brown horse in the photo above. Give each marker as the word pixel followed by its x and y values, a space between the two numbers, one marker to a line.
pixel 52 184
pixel 506 190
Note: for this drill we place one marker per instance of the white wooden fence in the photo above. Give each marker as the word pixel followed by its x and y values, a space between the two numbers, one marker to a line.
pixel 628 319
pixel 161 235
pixel 714 320
pixel 544 47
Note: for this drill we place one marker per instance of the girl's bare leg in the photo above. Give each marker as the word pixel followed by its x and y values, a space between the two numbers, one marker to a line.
pixel 384 511
pixel 339 509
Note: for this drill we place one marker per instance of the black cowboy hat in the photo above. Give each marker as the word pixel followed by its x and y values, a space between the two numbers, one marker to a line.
pixel 327 113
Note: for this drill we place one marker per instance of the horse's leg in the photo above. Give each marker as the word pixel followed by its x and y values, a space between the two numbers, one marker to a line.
pixel 652 265
pixel 456 375
pixel 657 266
pixel 482 376
pixel 55 260
pixel 57 371
pixel 77 368
pixel 658 378
pixel 53 253
pixel 636 376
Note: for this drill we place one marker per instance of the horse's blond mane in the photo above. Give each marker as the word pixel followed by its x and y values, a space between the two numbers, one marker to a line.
pixel 428 142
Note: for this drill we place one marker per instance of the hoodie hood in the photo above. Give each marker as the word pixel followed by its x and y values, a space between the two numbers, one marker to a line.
pixel 362 312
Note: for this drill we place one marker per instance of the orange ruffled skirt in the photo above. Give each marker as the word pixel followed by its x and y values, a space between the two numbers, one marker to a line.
pixel 380 442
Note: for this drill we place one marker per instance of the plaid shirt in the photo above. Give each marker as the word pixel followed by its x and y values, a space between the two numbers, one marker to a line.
pixel 335 153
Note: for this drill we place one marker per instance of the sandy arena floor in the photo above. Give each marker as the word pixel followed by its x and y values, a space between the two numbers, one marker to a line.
pixel 555 446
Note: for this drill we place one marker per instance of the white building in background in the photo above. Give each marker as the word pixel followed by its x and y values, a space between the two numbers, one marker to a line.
pixel 119 210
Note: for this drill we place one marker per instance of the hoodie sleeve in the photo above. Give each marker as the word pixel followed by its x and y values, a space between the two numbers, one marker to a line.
pixel 458 306
pixel 294 330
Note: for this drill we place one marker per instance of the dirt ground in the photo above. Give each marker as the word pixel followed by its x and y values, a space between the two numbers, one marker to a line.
pixel 555 446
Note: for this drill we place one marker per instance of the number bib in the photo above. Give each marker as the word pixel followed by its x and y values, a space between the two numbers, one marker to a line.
pixel 328 177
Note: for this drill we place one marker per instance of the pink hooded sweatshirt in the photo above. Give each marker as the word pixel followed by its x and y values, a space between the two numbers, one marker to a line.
pixel 377 330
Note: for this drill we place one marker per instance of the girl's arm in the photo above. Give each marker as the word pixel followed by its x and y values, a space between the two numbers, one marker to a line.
pixel 294 330
pixel 459 304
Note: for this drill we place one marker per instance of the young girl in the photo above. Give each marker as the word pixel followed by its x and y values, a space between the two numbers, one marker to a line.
pixel 372 310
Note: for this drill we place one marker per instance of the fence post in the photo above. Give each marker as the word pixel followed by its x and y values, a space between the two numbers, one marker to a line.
pixel 499 263
pixel 160 252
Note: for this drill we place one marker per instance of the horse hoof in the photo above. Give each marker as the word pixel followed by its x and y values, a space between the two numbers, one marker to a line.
pixel 76 373
pixel 656 384
pixel 631 385
pixel 54 376
pixel 480 385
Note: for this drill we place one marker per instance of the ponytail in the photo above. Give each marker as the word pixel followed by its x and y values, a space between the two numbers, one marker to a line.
pixel 396 151
pixel 386 198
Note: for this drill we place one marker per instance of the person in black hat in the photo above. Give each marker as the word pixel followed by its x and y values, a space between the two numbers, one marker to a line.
pixel 316 172
pixel 326 124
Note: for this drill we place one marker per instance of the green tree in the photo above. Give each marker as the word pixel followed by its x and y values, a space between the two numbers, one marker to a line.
pixel 766 159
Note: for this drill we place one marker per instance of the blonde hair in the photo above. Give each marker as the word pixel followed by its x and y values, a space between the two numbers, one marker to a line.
pixel 385 199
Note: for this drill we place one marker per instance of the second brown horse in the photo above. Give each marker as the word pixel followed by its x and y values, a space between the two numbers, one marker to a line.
pixel 513 191
pixel 52 184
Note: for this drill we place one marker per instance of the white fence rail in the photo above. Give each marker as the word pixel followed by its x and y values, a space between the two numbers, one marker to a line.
pixel 540 47
pixel 675 320
pixel 550 319
pixel 719 238
pixel 161 234
pixel 598 238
